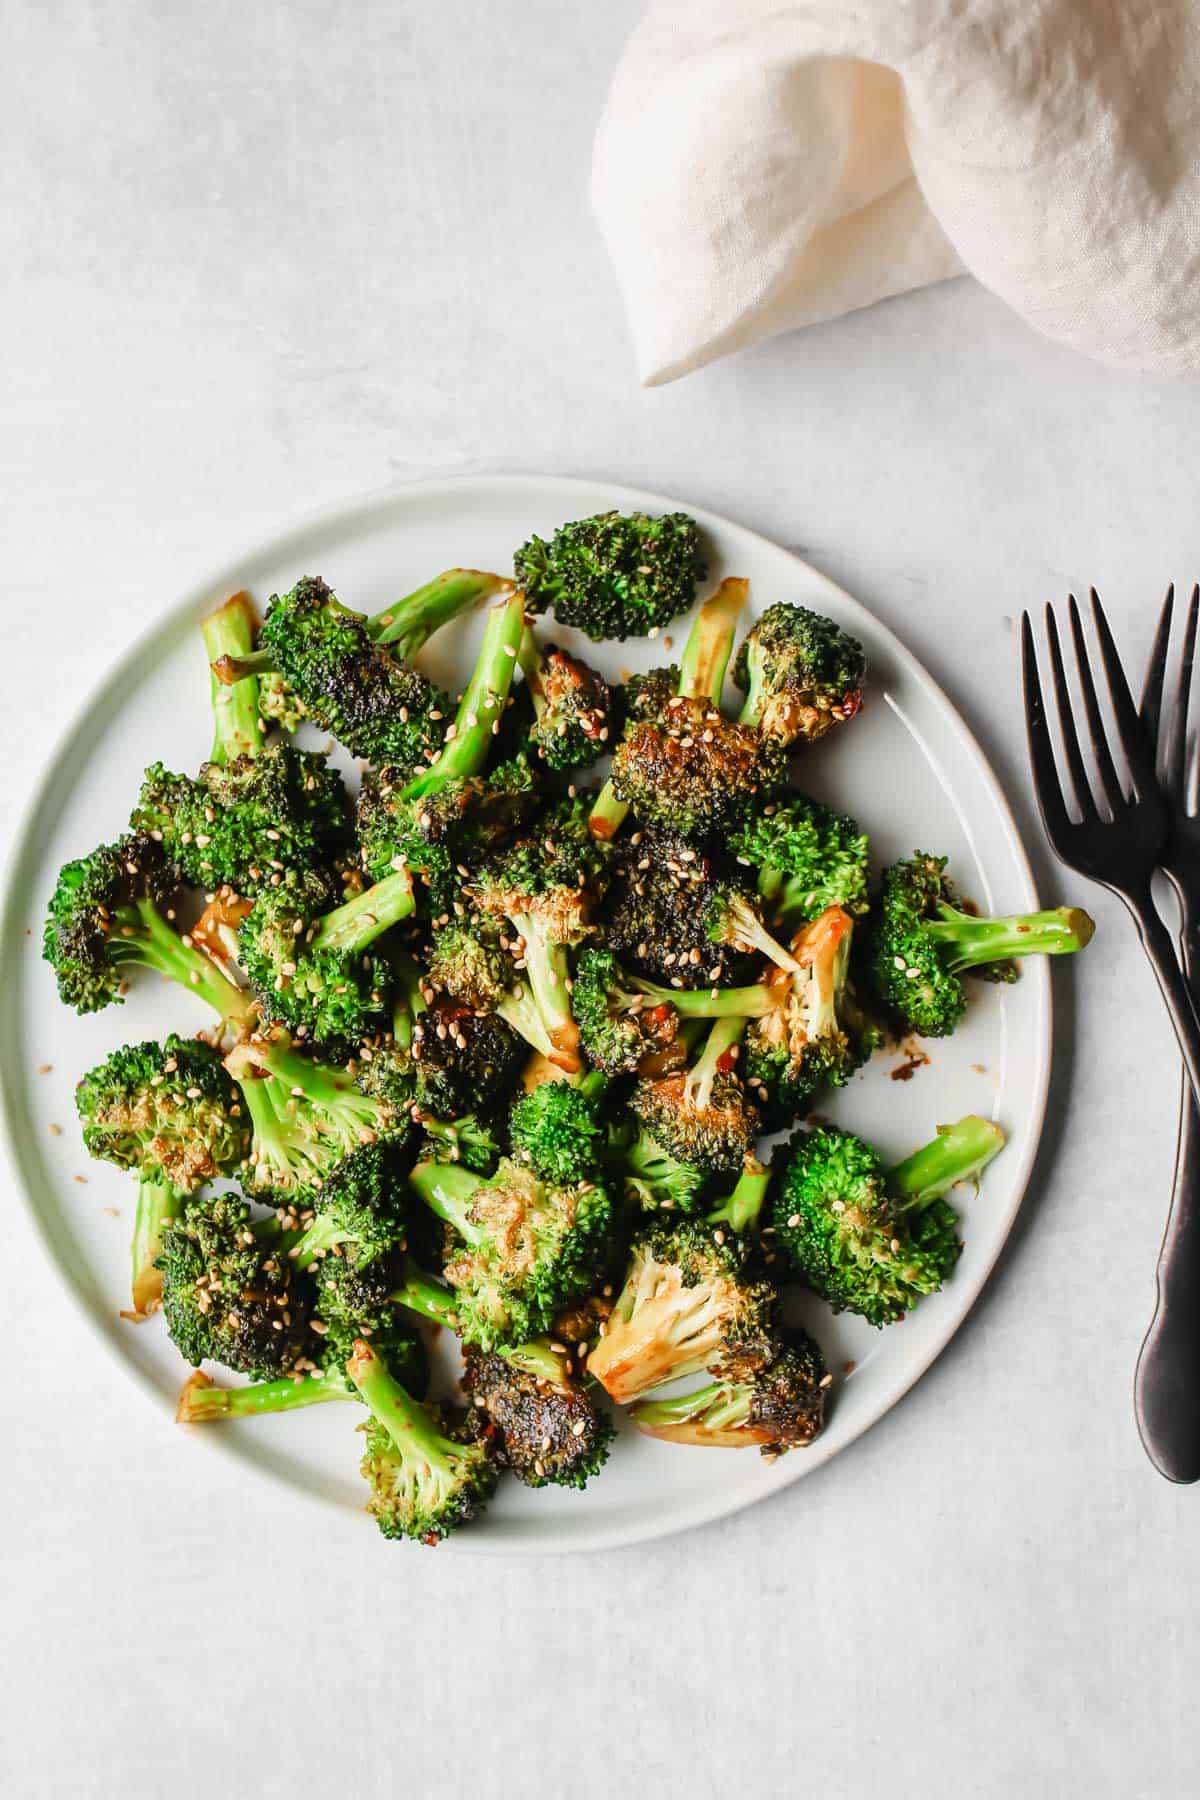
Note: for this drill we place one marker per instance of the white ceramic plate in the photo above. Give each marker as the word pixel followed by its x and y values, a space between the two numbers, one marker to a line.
pixel 908 768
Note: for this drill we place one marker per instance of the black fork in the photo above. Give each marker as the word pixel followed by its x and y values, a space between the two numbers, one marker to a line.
pixel 1167 1383
pixel 1122 845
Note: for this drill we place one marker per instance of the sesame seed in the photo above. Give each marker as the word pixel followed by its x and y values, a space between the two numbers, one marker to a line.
pixel 794 1220
pixel 54 1130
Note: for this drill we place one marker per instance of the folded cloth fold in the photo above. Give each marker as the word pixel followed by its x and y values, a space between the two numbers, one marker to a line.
pixel 763 164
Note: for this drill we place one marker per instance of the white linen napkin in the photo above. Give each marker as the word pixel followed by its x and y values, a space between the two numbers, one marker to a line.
pixel 762 164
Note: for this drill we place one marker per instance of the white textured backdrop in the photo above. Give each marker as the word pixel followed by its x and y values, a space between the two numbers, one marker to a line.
pixel 255 260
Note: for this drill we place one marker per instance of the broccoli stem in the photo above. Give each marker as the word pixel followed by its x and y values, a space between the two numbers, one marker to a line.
pixel 469 738
pixel 519 1009
pixel 358 922
pixel 970 941
pixel 722 1041
pixel 153 944
pixel 322 1084
pixel 549 973
pixel 710 642
pixel 701 677
pixel 159 1204
pixel 410 1426
pixel 230 632
pixel 409 623
pixel 753 1002
pixel 741 1209
pixel 719 1406
pixel 958 1153
pixel 744 930
pixel 202 1402
pixel 532 663
pixel 447 1190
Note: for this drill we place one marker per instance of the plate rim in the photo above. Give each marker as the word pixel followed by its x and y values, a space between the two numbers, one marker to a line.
pixel 345 514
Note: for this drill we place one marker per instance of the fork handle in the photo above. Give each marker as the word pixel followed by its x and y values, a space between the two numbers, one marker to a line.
pixel 1156 942
pixel 1166 1386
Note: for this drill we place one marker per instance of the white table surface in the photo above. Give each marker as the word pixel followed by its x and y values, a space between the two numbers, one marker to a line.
pixel 254 260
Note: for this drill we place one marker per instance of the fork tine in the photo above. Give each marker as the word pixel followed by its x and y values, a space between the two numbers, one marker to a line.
pixel 1139 759
pixel 1084 799
pixel 1176 747
pixel 1156 669
pixel 1106 768
pixel 1041 751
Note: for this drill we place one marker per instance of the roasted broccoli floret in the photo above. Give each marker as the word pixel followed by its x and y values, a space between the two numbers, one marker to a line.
pixel 702 1116
pixel 869 1240
pixel 468 961
pixel 664 903
pixel 572 703
pixel 425 1481
pixel 656 1181
pixel 549 1433
pixel 360 1205
pixel 107 914
pixel 925 941
pixel 230 1293
pixel 444 1058
pixel 701 676
pixel 624 1030
pixel 691 1301
pixel 695 772
pixel 306 1117
pixel 617 575
pixel 170 1114
pixel 559 1129
pixel 815 1035
pixel 309 962
pixel 801 674
pixel 467 1140
pixel 544 886
pixel 781 1407
pixel 525 1245
pixel 342 665
pixel 805 857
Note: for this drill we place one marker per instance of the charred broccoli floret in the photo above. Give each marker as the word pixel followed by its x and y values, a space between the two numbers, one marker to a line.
pixel 781 1407
pixel 624 1030
pixel 801 674
pixel 470 963
pixel 170 1114
pixel 559 1130
pixel 444 1058
pixel 925 941
pixel 701 677
pixel 659 917
pixel 425 1480
pixel 703 1116
pixel 106 915
pixel 549 1433
pixel 691 1301
pixel 230 1292
pixel 545 886
pixel 525 1246
pixel 695 772
pixel 572 703
pixel 617 575
pixel 342 666
pixel 869 1240
pixel 805 857
pixel 360 1205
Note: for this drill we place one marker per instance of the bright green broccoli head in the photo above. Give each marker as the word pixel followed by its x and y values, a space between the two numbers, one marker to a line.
pixel 801 674
pixel 527 1246
pixel 468 1140
pixel 547 1433
pixel 691 1301
pixel 307 1116
pixel 166 1108
pixel 103 910
pixel 239 823
pixel 656 1181
pixel 694 772
pixel 361 1204
pixel 351 1300
pixel 925 941
pixel 617 575
pixel 806 857
pixel 231 1294
pixel 425 1480
pixel 558 1129
pixel 778 1408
